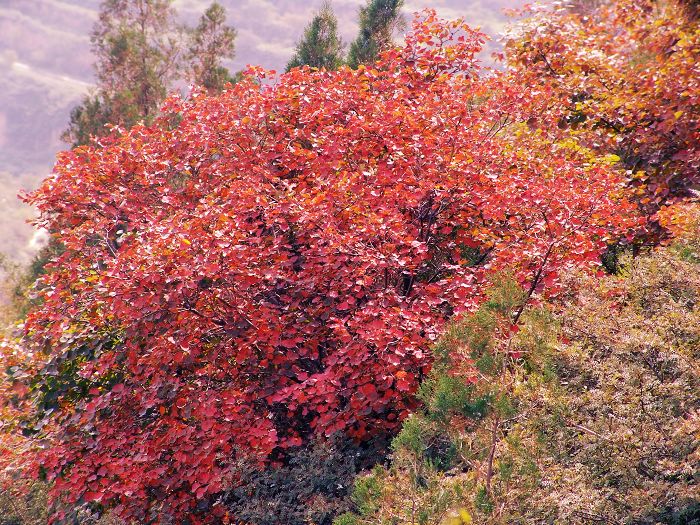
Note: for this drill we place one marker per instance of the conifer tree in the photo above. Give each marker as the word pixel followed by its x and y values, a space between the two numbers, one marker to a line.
pixel 378 21
pixel 210 42
pixel 136 43
pixel 320 46
pixel 88 119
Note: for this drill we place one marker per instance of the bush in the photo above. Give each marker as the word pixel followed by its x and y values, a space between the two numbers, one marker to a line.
pixel 590 415
pixel 312 486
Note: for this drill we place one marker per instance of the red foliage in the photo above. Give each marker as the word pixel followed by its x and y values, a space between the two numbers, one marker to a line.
pixel 625 79
pixel 274 262
pixel 16 450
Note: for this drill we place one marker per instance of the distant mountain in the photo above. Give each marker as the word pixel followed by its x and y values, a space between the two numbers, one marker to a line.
pixel 46 68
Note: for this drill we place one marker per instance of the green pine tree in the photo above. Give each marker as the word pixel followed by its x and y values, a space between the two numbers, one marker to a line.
pixel 88 119
pixel 209 43
pixel 379 19
pixel 137 45
pixel 320 46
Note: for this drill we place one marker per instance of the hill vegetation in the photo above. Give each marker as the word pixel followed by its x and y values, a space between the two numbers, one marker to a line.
pixel 588 414
pixel 403 290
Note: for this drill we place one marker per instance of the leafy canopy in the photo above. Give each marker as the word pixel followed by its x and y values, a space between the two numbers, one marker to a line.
pixel 141 52
pixel 210 42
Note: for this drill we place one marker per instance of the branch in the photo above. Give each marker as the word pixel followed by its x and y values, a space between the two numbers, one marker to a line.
pixel 534 284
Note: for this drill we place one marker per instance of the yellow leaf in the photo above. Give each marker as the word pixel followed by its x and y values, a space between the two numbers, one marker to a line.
pixel 466 517
pixel 678 114
pixel 461 517
pixel 186 241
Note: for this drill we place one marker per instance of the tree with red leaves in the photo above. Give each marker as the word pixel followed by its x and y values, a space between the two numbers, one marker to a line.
pixel 272 264
pixel 625 76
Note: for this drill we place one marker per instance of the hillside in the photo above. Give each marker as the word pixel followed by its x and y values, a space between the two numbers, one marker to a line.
pixel 386 286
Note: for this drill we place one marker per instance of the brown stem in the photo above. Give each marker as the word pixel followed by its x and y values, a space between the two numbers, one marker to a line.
pixel 533 286
pixel 492 454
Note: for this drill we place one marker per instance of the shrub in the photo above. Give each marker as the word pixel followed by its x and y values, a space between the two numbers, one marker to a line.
pixel 312 486
pixel 625 72
pixel 594 417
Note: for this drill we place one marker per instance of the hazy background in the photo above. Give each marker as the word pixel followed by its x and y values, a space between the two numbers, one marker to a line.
pixel 46 68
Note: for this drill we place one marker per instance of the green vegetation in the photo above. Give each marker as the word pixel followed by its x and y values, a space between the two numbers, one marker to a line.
pixel 320 46
pixel 141 53
pixel 379 20
pixel 588 414
pixel 209 43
